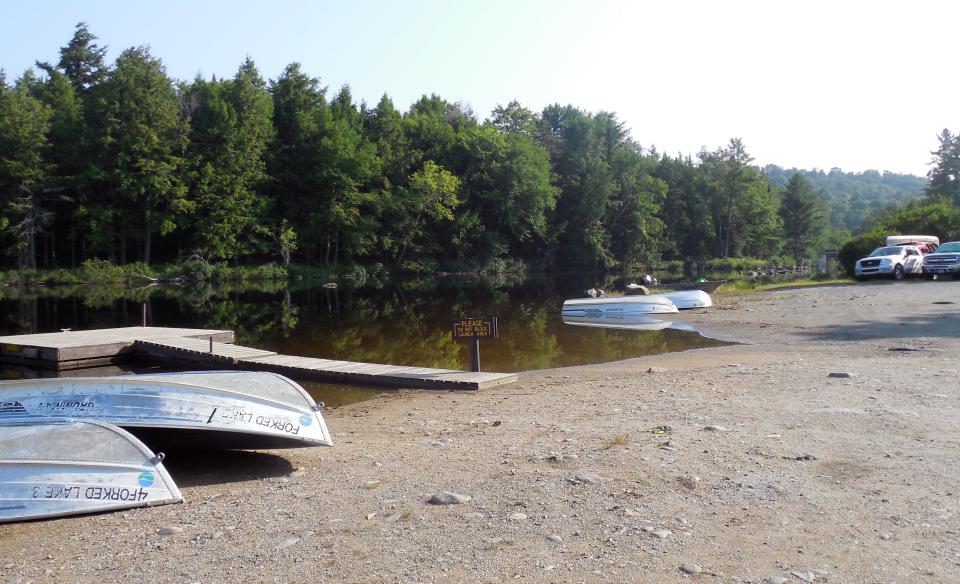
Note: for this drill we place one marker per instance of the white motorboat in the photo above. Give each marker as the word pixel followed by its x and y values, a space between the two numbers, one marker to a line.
pixel 194 410
pixel 55 467
pixel 622 305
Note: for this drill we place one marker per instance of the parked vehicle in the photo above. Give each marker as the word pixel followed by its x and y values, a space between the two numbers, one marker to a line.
pixel 894 261
pixel 946 260
pixel 925 243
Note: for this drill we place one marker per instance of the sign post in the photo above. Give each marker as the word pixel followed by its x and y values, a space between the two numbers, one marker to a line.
pixel 473 329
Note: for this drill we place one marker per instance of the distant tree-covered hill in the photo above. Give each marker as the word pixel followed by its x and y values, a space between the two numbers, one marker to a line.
pixel 855 200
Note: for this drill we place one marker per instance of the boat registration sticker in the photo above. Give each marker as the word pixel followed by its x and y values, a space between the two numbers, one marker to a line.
pixel 145 479
pixel 8 348
pixel 306 420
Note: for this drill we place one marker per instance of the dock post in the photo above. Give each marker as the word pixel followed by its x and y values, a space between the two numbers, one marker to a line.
pixel 474 355
pixel 143 315
pixel 211 345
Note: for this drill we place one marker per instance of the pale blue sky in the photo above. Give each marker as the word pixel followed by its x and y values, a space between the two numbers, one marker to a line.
pixel 816 83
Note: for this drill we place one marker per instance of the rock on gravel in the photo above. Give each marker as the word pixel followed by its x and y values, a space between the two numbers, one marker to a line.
pixel 662 533
pixel 690 569
pixel 586 478
pixel 448 498
pixel 714 428
pixel 169 530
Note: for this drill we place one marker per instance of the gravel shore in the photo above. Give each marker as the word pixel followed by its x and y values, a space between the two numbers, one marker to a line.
pixel 824 447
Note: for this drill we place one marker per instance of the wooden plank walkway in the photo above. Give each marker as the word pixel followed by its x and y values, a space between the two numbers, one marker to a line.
pixel 197 350
pixel 90 348
pixel 246 358
pixel 71 350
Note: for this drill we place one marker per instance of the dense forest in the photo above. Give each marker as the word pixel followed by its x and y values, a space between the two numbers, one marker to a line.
pixel 122 163
pixel 854 200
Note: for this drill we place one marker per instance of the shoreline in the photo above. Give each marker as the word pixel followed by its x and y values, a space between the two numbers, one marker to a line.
pixel 741 463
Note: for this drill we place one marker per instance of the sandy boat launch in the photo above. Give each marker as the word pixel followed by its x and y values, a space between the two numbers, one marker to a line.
pixel 194 410
pixel 55 467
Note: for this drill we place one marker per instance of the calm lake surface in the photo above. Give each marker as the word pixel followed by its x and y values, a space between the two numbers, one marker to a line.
pixel 400 322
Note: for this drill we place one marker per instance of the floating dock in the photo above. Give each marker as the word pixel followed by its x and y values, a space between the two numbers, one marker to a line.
pixel 70 350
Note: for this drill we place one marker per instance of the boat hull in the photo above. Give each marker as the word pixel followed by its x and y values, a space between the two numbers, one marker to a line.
pixel 199 410
pixel 688 299
pixel 619 321
pixel 53 468
pixel 620 305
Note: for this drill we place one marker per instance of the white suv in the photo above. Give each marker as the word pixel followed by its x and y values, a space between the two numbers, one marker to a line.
pixel 893 261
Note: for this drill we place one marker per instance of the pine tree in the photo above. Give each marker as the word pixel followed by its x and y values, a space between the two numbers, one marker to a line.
pixel 141 136
pixel 945 174
pixel 802 217
pixel 24 172
pixel 82 60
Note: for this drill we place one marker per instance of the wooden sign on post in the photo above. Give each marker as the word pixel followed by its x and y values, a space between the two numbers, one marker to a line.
pixel 473 329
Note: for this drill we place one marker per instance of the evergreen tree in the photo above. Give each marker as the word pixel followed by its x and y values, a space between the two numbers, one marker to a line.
pixel 300 117
pixel 945 174
pixel 141 136
pixel 383 127
pixel 802 217
pixel 348 167
pixel 230 131
pixel 82 60
pixel 24 172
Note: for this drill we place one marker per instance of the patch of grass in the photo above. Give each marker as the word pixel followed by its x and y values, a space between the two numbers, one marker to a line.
pixel 618 440
pixel 759 285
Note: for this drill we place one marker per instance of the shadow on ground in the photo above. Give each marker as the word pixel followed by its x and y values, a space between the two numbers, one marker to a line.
pixel 198 468
pixel 944 325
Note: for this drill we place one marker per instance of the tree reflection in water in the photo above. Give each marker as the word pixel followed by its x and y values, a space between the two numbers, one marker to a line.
pixel 401 322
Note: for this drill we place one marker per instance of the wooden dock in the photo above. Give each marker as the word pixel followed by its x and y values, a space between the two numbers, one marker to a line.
pixel 81 349
pixel 215 349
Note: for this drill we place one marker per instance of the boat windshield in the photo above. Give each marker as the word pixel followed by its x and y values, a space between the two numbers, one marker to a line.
pixel 952 247
pixel 886 251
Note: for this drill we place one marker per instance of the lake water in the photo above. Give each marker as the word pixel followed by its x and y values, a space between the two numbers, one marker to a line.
pixel 400 322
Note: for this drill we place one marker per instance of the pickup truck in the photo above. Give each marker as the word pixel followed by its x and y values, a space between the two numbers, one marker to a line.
pixel 893 261
pixel 946 260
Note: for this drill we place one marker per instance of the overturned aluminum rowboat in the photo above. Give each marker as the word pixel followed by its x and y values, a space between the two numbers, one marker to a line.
pixel 622 305
pixel 619 321
pixel 180 411
pixel 51 468
pixel 687 299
